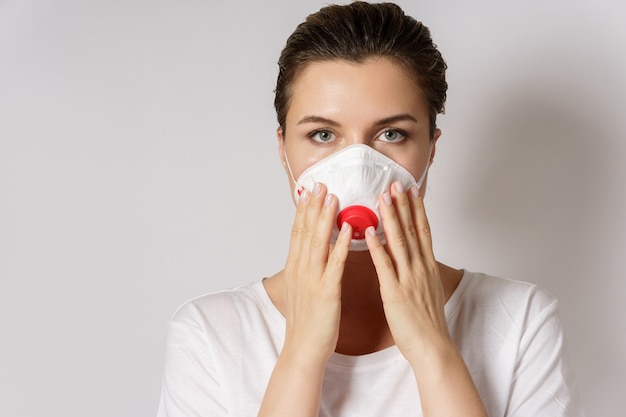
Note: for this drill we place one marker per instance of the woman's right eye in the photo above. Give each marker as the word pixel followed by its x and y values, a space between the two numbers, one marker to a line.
pixel 322 136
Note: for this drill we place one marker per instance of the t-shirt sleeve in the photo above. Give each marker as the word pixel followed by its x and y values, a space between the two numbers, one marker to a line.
pixel 190 387
pixel 543 382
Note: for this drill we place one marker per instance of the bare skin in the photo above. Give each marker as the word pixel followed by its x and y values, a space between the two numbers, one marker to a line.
pixel 355 303
pixel 363 327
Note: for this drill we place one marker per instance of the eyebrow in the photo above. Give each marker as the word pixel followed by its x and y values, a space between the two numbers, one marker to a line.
pixel 317 119
pixel 397 118
pixel 386 120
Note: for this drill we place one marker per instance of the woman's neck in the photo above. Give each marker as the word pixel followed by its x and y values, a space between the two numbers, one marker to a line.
pixel 363 327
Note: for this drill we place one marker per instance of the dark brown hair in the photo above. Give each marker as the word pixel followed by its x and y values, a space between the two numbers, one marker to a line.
pixel 359 31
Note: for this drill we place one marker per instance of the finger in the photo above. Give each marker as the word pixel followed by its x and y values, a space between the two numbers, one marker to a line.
pixel 320 242
pixel 424 235
pixel 297 229
pixel 397 245
pixel 404 213
pixel 313 209
pixel 338 255
pixel 382 261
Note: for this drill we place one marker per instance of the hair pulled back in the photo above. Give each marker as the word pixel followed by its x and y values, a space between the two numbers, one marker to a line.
pixel 356 32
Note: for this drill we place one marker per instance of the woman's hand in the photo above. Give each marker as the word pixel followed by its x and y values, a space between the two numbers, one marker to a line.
pixel 410 285
pixel 413 300
pixel 312 301
pixel 313 275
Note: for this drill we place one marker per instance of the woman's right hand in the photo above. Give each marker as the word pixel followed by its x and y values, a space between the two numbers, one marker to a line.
pixel 313 274
pixel 312 307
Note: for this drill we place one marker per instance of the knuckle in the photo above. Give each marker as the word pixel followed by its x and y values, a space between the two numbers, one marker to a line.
pixel 409 230
pixel 400 241
pixel 316 242
pixel 333 259
pixel 402 201
pixel 387 263
pixel 306 231
pixel 296 233
pixel 301 232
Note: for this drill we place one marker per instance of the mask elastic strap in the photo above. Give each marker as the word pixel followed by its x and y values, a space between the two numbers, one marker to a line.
pixel 421 180
pixel 299 188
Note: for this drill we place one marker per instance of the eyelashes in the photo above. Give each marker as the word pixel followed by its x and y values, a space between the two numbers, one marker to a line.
pixel 392 136
pixel 389 135
pixel 321 136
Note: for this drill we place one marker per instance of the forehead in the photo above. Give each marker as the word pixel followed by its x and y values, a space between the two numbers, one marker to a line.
pixel 344 86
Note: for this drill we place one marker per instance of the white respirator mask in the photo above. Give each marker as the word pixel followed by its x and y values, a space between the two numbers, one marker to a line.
pixel 357 175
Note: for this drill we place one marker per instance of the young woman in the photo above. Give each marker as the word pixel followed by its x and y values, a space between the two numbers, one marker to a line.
pixel 363 321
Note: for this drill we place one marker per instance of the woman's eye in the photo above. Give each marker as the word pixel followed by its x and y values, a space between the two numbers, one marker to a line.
pixel 391 135
pixel 322 136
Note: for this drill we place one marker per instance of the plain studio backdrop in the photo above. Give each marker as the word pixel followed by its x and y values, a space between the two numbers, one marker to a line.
pixel 139 168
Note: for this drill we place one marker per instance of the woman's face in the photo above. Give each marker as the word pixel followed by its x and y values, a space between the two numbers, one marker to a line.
pixel 335 104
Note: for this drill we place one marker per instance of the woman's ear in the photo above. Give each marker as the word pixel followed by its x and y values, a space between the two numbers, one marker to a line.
pixel 434 146
pixel 281 146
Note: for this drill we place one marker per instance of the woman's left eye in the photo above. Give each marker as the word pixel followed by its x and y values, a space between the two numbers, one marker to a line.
pixel 392 135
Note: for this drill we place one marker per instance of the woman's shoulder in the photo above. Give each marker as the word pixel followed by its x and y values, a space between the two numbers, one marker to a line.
pixel 222 307
pixel 494 293
pixel 486 284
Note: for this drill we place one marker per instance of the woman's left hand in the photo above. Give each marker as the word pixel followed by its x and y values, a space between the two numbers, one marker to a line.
pixel 410 284
pixel 413 299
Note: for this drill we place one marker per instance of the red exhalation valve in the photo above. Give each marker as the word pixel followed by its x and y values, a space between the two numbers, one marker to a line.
pixel 360 218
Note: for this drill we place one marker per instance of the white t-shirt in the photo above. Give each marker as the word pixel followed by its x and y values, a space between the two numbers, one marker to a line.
pixel 221 349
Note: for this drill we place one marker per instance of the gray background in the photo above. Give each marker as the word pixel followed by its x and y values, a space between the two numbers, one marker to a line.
pixel 139 168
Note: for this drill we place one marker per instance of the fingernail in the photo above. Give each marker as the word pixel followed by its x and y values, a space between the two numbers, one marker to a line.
pixel 304 197
pixel 317 188
pixel 328 200
pixel 371 231
pixel 415 192
pixel 399 187
pixel 387 198
pixel 344 227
